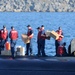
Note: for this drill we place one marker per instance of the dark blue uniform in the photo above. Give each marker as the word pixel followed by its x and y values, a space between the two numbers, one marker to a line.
pixel 39 43
pixel 42 42
pixel 29 45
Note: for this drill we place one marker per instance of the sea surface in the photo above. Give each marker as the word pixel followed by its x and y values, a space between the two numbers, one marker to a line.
pixel 51 21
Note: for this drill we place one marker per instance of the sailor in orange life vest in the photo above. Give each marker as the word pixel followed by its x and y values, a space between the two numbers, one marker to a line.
pixel 42 37
pixel 58 42
pixel 4 37
pixel 30 36
pixel 13 35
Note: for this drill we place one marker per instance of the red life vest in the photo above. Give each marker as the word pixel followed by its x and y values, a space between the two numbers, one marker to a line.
pixel 14 34
pixel 39 35
pixel 60 33
pixel 4 34
pixel 60 38
pixel 29 33
pixel 43 37
pixel 60 50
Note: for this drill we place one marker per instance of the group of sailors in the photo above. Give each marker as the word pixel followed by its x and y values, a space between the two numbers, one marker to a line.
pixel 41 37
pixel 40 41
pixel 13 35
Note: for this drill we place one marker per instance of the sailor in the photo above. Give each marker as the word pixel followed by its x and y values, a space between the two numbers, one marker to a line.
pixel 58 42
pixel 30 36
pixel 42 40
pixel 13 35
pixel 38 41
pixel 3 37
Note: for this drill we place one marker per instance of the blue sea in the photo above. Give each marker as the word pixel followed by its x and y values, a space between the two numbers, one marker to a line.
pixel 51 21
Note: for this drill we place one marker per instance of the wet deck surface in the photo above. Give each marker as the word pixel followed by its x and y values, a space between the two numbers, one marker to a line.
pixel 37 66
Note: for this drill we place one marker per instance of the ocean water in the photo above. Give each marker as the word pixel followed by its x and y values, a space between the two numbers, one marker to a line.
pixel 51 21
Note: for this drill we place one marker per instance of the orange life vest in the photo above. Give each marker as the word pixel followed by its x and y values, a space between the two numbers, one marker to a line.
pixel 14 34
pixel 60 33
pixel 4 34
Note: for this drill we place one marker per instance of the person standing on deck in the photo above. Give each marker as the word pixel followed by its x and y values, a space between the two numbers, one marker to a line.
pixel 38 41
pixel 13 35
pixel 30 36
pixel 3 37
pixel 42 40
pixel 58 42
